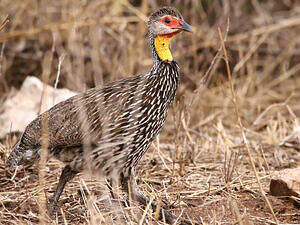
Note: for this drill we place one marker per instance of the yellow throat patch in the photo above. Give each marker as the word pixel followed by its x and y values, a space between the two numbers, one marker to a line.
pixel 161 44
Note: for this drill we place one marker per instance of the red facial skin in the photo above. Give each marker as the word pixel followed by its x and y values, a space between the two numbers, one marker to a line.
pixel 175 24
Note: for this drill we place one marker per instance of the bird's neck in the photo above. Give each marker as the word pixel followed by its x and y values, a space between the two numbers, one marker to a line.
pixel 160 47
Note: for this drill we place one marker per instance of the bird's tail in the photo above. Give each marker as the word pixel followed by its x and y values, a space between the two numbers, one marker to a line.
pixel 15 156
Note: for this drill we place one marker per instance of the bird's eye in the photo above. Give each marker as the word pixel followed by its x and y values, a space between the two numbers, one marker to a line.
pixel 167 20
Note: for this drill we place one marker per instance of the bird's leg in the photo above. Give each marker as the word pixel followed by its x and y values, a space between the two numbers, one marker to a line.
pixel 109 184
pixel 113 186
pixel 67 174
pixel 129 185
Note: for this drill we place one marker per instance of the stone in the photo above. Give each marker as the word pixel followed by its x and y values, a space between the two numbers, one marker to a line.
pixel 25 105
pixel 286 182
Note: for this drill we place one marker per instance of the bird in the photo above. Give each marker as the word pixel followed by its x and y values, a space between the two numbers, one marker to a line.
pixel 107 129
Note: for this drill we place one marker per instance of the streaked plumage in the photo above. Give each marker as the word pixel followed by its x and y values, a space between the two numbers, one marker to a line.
pixel 108 129
pixel 121 118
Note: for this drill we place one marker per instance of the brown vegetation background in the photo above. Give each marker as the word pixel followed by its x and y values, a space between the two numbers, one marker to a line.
pixel 199 164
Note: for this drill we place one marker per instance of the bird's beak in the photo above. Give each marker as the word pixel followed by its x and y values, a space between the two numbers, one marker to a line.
pixel 186 27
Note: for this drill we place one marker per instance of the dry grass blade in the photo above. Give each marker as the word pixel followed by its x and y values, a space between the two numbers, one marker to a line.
pixel 147 209
pixel 267 29
pixel 61 59
pixel 295 133
pixel 249 53
pixel 4 23
pixel 64 26
pixel 45 140
pixel 207 77
pixel 242 128
pixel 205 80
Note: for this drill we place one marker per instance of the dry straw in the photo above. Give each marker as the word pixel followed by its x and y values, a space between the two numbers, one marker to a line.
pixel 242 128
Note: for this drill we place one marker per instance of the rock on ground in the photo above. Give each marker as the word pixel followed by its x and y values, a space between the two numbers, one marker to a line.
pixel 20 109
pixel 286 182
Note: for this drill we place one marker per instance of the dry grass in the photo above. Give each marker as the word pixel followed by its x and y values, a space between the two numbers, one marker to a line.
pixel 199 165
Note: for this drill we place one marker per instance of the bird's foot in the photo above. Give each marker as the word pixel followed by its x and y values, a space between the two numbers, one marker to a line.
pixel 171 219
pixel 52 207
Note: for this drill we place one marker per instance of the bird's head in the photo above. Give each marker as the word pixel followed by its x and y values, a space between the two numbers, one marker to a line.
pixel 163 25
